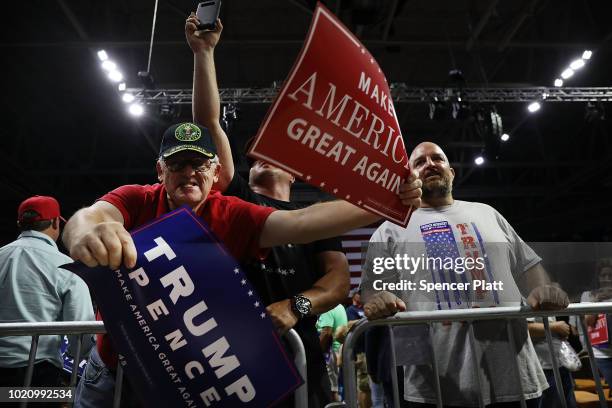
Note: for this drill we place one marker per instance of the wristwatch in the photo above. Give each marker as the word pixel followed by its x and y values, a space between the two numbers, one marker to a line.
pixel 301 306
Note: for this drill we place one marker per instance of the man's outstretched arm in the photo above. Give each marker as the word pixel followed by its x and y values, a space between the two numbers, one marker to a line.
pixel 96 236
pixel 326 220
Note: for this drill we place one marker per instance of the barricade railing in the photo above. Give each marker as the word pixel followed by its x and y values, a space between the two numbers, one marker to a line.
pixel 469 316
pixel 35 330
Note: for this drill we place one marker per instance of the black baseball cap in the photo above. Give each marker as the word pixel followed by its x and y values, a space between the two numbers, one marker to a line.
pixel 187 136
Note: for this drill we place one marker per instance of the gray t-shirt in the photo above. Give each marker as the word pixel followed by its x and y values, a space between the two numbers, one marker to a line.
pixel 463 230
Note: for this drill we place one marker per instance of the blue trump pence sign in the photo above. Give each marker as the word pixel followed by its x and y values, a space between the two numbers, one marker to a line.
pixel 190 328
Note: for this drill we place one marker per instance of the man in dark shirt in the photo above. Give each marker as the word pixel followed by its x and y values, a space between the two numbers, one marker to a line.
pixel 296 282
pixel 355 310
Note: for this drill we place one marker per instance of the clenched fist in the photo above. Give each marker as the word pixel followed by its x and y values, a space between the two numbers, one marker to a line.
pixel 282 315
pixel 106 244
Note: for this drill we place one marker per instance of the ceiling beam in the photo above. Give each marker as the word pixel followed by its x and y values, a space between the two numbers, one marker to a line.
pixel 481 25
pixel 527 12
pixel 389 20
pixel 74 20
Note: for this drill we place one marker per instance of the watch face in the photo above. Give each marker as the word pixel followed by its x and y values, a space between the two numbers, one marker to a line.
pixel 302 305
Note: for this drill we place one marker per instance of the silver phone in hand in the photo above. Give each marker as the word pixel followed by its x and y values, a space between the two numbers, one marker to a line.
pixel 207 14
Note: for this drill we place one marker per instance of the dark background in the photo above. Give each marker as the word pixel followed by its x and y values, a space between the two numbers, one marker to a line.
pixel 65 131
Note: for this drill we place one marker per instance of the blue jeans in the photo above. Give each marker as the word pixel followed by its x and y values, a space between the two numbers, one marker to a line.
pixel 97 386
pixel 605 366
pixel 377 394
pixel 550 399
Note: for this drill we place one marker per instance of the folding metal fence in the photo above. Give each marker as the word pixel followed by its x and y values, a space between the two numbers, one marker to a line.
pixel 469 316
pixel 35 330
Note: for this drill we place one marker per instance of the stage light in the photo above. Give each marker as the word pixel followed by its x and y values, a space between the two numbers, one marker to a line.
pixel 122 87
pixel 136 109
pixel 544 95
pixel 577 64
pixel 558 82
pixel 505 137
pixel 102 55
pixel 534 107
pixel 567 73
pixel 479 160
pixel 587 54
pixel 115 76
pixel 128 97
pixel 109 65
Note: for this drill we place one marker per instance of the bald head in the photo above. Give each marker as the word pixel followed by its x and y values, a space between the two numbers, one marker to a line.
pixel 430 163
pixel 425 147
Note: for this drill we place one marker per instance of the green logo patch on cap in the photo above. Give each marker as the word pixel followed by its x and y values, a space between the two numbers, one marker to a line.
pixel 187 132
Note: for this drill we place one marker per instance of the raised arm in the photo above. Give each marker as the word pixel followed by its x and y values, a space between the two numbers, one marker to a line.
pixel 95 236
pixel 206 102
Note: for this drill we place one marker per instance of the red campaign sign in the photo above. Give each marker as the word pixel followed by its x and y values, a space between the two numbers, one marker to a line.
pixel 333 124
pixel 599 333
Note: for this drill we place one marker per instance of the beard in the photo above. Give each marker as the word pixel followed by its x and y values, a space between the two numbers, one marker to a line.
pixel 438 188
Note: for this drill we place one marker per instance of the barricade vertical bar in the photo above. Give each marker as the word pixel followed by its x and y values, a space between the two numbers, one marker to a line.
pixel 434 364
pixel 510 331
pixel 301 394
pixel 30 370
pixel 394 379
pixel 555 364
pixel 76 361
pixel 348 366
pixel 118 385
pixel 600 393
pixel 475 362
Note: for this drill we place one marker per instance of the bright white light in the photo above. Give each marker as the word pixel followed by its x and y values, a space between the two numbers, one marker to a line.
pixel 115 76
pixel 558 82
pixel 534 107
pixel 122 86
pixel 109 65
pixel 587 54
pixel 577 64
pixel 102 55
pixel 136 109
pixel 127 97
pixel 479 160
pixel 567 73
pixel 505 137
pixel 544 95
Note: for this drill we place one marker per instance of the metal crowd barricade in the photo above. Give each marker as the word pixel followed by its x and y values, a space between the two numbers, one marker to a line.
pixel 92 327
pixel 471 315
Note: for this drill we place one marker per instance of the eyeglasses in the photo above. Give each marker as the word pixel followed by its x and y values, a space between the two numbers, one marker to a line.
pixel 197 164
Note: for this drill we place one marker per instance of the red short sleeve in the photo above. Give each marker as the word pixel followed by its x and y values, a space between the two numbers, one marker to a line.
pixel 237 223
pixel 138 204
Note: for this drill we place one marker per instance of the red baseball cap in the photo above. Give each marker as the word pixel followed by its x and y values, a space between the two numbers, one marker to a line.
pixel 46 207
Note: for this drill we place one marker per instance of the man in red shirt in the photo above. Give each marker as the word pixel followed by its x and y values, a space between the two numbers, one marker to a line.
pixel 186 169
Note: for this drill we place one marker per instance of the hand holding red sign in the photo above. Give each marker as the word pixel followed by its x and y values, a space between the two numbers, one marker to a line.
pixel 334 124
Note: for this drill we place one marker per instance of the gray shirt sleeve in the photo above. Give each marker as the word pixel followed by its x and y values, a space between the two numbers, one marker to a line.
pixel 77 306
pixel 522 257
